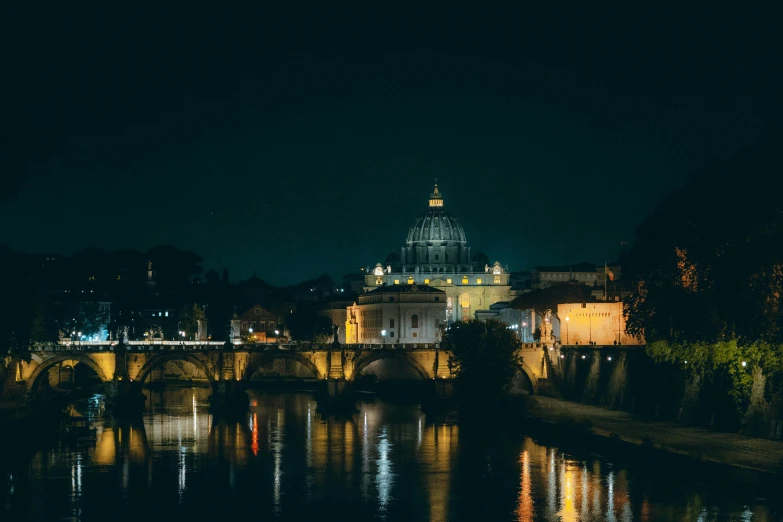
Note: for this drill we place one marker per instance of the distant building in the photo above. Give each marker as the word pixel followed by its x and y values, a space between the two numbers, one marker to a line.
pixel 520 280
pixel 336 310
pixel 259 324
pixel 436 254
pixel 396 314
pixel 517 320
pixel 584 273
pixel 594 323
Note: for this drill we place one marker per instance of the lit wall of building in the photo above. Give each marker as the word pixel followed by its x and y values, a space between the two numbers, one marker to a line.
pixel 596 323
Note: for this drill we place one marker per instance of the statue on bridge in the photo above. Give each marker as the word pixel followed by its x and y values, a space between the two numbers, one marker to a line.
pixel 335 334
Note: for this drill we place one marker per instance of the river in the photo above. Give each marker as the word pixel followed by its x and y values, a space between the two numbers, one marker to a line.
pixel 388 461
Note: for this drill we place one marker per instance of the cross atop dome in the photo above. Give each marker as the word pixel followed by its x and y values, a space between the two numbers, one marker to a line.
pixel 436 200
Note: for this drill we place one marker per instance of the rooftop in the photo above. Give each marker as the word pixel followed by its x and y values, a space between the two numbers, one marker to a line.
pixel 405 289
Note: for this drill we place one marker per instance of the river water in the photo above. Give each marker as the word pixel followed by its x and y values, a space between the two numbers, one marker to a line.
pixel 390 462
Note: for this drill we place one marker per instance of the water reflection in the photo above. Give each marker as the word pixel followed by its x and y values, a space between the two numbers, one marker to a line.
pixel 286 459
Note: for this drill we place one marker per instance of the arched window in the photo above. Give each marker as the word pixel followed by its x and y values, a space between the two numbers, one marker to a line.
pixel 414 321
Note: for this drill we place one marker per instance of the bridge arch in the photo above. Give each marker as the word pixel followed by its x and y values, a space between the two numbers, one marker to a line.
pixel 365 360
pixel 46 364
pixel 263 359
pixel 526 373
pixel 159 359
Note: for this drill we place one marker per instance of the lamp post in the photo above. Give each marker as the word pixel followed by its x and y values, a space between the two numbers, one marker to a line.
pixel 277 333
pixel 383 336
pixel 567 321
pixel 524 331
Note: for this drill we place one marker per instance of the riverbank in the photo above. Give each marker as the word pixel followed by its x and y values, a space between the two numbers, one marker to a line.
pixel 760 455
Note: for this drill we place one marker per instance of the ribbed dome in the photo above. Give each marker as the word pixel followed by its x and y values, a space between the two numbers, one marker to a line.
pixel 436 241
pixel 436 227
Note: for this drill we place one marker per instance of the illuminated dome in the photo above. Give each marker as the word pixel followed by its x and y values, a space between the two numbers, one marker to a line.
pixel 436 226
pixel 436 239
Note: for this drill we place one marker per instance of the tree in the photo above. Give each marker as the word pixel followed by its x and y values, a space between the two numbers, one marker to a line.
pixel 211 277
pixel 306 325
pixel 189 318
pixel 708 263
pixel 543 299
pixel 484 357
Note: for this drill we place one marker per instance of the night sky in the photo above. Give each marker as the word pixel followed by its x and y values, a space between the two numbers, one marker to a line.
pixel 298 143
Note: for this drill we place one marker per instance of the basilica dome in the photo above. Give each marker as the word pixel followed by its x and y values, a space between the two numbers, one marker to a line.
pixel 436 227
pixel 435 239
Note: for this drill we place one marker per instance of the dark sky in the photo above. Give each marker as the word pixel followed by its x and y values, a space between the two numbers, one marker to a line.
pixel 297 143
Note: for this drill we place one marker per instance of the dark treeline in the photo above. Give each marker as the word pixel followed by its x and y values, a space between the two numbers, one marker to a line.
pixel 708 264
pixel 98 293
pixel 707 268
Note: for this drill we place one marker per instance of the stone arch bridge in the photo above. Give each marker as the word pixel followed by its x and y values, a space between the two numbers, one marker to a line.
pixel 136 360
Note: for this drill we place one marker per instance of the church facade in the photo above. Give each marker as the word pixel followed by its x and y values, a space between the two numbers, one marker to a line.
pixel 436 255
pixel 396 314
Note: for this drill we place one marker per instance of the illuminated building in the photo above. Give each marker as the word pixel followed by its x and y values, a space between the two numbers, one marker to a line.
pixel 517 320
pixel 258 323
pixel 396 314
pixel 436 254
pixel 596 323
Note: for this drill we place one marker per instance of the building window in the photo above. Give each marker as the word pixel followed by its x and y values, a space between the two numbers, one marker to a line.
pixel 414 321
pixel 415 334
pixel 436 257
pixel 391 323
pixel 426 281
pixel 410 280
pixel 391 334
pixel 465 300
pixel 478 280
pixel 437 299
pixel 263 325
pixel 448 280
pixel 378 280
pixel 497 279
pixel 396 281
pixel 464 280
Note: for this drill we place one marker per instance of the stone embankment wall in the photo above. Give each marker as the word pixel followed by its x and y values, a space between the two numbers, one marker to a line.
pixel 625 378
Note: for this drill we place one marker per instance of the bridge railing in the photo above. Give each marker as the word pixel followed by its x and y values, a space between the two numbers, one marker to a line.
pixel 158 346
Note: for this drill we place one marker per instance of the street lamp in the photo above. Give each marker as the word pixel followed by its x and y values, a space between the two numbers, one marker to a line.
pixel 383 336
pixel 567 320
pixel 277 333
pixel 524 331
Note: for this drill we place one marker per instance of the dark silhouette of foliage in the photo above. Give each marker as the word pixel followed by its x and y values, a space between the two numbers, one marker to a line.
pixel 189 318
pixel 484 357
pixel 305 324
pixel 707 266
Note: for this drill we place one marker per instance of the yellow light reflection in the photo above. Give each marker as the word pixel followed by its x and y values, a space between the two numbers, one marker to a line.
pixel 525 502
pixel 254 428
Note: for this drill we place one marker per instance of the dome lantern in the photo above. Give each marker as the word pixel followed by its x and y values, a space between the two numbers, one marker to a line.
pixel 436 200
